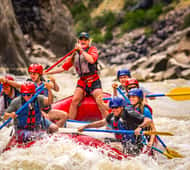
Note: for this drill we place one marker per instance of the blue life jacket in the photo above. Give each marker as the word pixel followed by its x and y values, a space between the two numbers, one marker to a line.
pixel 30 119
pixel 43 92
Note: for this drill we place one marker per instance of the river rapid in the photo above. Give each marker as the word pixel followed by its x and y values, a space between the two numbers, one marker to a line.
pixel 169 115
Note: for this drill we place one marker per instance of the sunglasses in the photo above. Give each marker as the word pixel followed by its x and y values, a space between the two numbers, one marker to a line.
pixel 115 107
pixel 132 87
pixel 26 94
pixel 83 38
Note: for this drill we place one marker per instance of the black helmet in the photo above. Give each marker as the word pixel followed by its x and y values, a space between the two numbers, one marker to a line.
pixel 84 35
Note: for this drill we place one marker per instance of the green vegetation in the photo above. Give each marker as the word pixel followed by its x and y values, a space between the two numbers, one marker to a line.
pixel 101 27
pixel 141 18
pixel 187 21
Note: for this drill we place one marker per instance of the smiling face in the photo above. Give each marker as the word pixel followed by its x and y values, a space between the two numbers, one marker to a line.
pixel 134 99
pixel 84 42
pixel 123 79
pixel 35 77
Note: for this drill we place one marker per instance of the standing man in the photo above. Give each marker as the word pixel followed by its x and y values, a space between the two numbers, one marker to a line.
pixel 85 62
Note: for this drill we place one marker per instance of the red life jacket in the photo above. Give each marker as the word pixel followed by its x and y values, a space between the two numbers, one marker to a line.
pixel 83 67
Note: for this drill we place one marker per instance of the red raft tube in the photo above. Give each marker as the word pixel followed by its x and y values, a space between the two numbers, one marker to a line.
pixel 87 110
pixel 112 153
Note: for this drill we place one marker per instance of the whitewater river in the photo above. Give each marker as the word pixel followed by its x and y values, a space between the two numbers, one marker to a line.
pixel 63 154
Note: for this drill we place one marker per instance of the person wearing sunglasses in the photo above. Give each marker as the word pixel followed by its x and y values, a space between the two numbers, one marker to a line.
pixel 36 75
pixel 30 118
pixel 84 59
pixel 8 93
pixel 123 118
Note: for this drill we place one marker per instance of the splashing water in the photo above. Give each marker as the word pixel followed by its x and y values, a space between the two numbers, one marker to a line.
pixel 64 154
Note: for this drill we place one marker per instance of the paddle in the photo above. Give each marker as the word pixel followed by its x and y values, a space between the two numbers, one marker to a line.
pixel 169 151
pixel 160 151
pixel 121 131
pixel 101 135
pixel 60 60
pixel 179 93
pixel 1 87
pixel 39 90
pixel 123 95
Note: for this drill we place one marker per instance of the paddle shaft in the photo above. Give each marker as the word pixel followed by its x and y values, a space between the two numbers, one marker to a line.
pixel 173 94
pixel 161 141
pixel 123 95
pixel 39 90
pixel 60 60
pixel 1 86
pixel 110 131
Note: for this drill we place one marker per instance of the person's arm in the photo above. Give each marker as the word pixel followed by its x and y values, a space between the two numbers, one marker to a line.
pixel 146 122
pixel 58 70
pixel 88 57
pixel 11 82
pixel 138 119
pixel 96 124
pixel 8 115
pixel 152 137
pixel 67 64
pixel 104 105
pixel 12 108
pixel 2 105
pixel 114 86
pixel 91 56
pixel 54 84
pixel 48 100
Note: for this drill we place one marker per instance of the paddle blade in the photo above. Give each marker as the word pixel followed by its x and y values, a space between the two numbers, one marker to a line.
pixel 157 133
pixel 180 93
pixel 174 153
pixel 169 156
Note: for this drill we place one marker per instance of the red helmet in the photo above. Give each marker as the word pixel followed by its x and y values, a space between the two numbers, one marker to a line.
pixel 28 87
pixel 132 81
pixel 8 77
pixel 35 68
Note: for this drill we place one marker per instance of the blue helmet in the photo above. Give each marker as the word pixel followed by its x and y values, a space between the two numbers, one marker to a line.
pixel 116 102
pixel 123 72
pixel 136 92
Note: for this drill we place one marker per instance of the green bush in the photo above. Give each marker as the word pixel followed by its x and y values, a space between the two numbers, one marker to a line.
pixel 140 18
pixel 107 19
pixel 108 36
pixel 187 21
pixel 98 37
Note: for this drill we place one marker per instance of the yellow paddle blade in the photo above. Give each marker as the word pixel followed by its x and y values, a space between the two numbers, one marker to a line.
pixel 157 133
pixel 174 153
pixel 169 156
pixel 180 93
